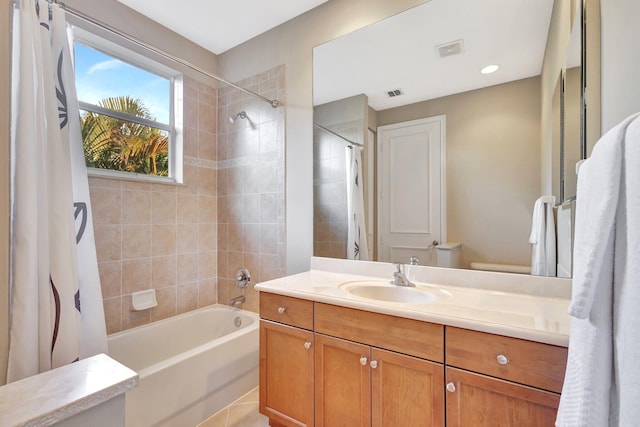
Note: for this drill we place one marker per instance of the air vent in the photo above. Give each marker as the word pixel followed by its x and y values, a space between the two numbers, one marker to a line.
pixel 451 48
pixel 394 92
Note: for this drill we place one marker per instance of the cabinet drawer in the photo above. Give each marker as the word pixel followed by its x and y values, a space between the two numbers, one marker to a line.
pixel 288 310
pixel 526 362
pixel 408 336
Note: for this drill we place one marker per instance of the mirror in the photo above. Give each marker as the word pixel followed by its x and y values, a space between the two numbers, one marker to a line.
pixel 493 128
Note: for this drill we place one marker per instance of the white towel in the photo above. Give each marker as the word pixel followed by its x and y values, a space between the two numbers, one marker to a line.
pixel 543 238
pixel 602 382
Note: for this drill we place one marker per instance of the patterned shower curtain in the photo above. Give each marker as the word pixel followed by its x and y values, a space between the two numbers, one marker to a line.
pixel 56 314
pixel 356 232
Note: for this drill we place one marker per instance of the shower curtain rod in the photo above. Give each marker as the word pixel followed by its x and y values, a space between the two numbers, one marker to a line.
pixel 273 102
pixel 357 144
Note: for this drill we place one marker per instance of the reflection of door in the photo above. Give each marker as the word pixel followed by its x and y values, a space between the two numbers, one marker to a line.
pixel 410 170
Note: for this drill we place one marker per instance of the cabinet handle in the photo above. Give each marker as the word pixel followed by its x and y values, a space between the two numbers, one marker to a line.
pixel 281 310
pixel 363 360
pixel 307 345
pixel 502 359
pixel 451 387
pixel 373 364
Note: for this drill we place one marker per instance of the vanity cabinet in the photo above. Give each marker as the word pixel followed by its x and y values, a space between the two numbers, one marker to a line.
pixel 328 365
pixel 286 361
pixel 492 380
pixel 361 385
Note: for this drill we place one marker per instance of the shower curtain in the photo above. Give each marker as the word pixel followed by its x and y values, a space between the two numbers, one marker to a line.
pixel 56 314
pixel 356 231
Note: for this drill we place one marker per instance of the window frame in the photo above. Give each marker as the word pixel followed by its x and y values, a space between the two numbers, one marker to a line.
pixel 121 49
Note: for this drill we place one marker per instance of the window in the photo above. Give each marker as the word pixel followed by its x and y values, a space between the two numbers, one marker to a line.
pixel 127 111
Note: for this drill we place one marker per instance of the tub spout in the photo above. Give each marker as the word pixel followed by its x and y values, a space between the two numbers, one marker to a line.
pixel 237 300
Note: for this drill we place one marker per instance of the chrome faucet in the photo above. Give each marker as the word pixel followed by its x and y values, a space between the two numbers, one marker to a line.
pixel 399 278
pixel 237 300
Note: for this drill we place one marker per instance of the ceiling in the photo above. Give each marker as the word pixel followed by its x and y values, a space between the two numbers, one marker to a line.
pixel 400 53
pixel 219 25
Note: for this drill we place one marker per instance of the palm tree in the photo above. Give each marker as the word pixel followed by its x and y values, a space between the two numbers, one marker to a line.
pixel 116 144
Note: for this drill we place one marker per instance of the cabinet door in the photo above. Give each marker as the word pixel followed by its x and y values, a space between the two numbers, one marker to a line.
pixel 405 391
pixel 343 385
pixel 286 374
pixel 476 400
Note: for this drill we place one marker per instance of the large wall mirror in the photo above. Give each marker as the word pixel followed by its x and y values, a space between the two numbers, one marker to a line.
pixel 417 68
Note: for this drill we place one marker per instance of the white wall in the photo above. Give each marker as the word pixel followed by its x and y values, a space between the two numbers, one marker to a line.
pixel 291 44
pixel 620 60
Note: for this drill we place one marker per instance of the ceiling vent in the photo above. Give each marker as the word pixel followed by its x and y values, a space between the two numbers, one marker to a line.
pixel 394 93
pixel 451 48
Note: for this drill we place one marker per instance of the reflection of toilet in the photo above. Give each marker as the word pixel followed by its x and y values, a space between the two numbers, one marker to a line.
pixel 448 255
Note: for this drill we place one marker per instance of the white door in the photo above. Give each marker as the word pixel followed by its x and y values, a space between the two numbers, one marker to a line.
pixel 411 204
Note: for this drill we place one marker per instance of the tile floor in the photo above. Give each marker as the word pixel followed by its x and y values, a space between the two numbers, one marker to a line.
pixel 241 413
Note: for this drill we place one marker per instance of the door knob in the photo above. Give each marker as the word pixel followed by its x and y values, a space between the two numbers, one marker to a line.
pixel 373 364
pixel 363 360
pixel 281 310
pixel 451 387
pixel 307 345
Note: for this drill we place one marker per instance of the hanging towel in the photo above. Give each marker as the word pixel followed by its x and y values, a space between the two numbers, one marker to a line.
pixel 602 381
pixel 543 238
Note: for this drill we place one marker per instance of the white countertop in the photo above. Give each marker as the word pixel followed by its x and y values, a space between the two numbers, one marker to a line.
pixel 513 305
pixel 53 396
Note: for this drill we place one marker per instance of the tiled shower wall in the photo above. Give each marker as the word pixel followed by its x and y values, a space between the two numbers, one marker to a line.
pixel 251 214
pixel 162 236
pixel 330 189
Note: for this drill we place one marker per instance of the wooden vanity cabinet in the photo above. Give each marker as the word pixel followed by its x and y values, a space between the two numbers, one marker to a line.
pixel 492 380
pixel 286 361
pixel 360 382
pixel 328 366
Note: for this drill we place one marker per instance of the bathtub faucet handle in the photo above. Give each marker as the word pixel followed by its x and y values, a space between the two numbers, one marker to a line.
pixel 243 277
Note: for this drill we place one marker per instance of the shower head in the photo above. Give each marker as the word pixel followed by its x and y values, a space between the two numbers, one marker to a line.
pixel 241 114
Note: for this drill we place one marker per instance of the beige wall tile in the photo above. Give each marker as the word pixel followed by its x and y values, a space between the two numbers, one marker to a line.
pixel 103 183
pixel 113 314
pixel 187 268
pixel 163 240
pixel 234 237
pixel 136 185
pixel 222 237
pixel 187 297
pixel 208 237
pixel 136 207
pixel 207 147
pixel 190 175
pixel 136 241
pixel 131 318
pixel 207 292
pixel 207 181
pixel 136 275
pixel 163 208
pixel 187 208
pixel 268 239
pixel 187 238
pixel 111 279
pixel 190 142
pixel 164 271
pixel 108 242
pixel 167 305
pixel 207 208
pixel 251 238
pixel 207 265
pixel 106 205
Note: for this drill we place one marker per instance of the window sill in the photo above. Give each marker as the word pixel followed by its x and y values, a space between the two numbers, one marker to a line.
pixel 131 176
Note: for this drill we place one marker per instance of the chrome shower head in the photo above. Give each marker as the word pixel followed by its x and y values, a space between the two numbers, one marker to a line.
pixel 241 114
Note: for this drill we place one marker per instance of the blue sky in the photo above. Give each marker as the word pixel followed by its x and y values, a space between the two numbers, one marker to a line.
pixel 100 76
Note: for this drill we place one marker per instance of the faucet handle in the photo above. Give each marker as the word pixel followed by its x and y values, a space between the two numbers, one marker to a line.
pixel 398 267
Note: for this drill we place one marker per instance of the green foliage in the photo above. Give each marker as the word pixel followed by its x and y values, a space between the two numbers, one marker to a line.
pixel 121 145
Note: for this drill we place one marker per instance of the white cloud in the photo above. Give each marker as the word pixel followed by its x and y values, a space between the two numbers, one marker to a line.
pixel 110 64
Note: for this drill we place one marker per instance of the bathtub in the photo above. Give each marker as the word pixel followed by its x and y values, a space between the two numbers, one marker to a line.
pixel 190 365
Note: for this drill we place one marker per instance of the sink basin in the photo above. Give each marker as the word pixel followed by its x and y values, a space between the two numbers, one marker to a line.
pixel 383 291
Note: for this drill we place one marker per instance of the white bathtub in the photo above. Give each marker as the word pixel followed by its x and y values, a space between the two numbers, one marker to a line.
pixel 190 365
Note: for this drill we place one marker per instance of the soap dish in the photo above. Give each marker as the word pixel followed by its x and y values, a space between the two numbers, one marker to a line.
pixel 143 300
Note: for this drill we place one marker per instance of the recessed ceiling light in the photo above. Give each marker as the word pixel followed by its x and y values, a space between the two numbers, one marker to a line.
pixel 490 69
